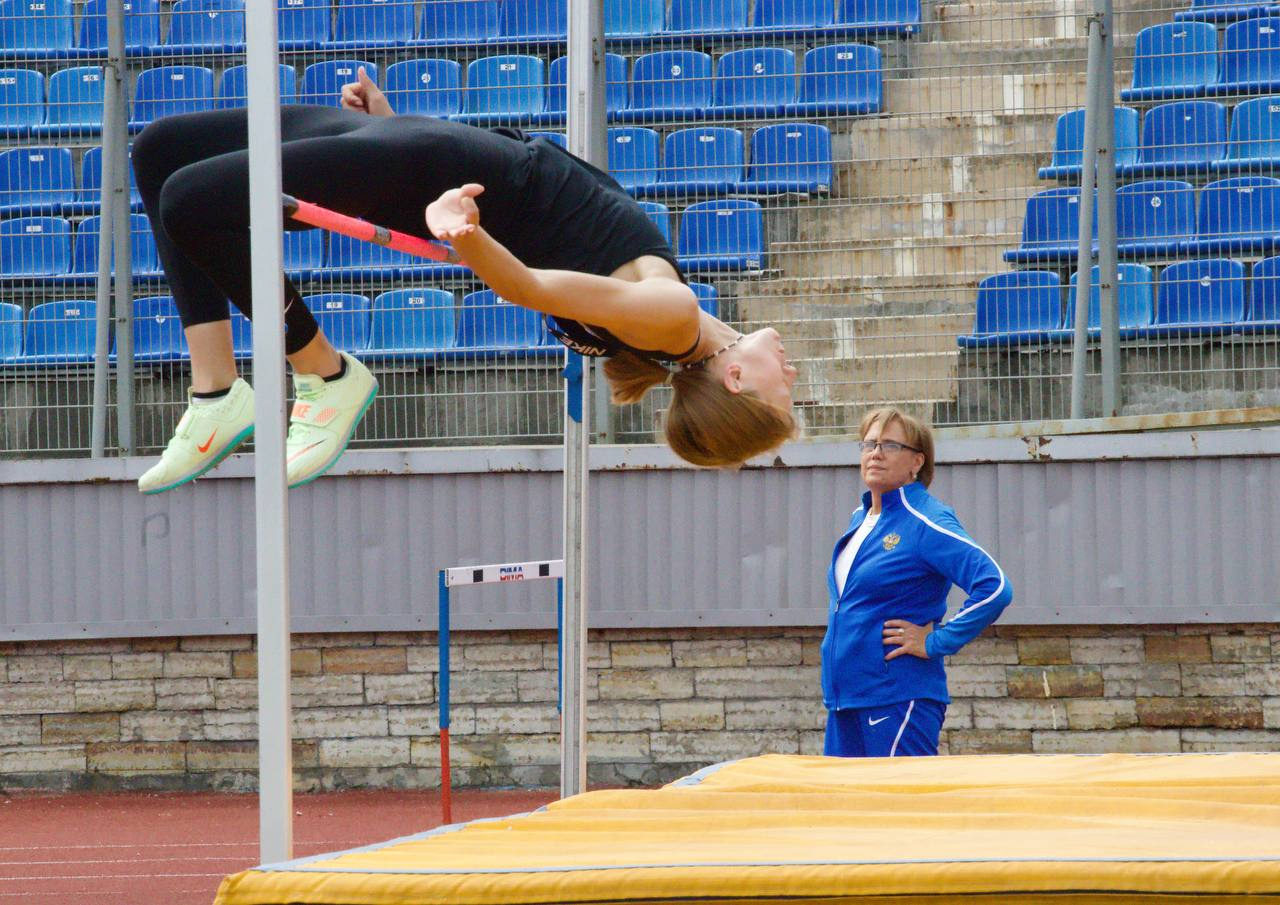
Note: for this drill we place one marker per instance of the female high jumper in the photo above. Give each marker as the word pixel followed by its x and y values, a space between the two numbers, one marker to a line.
pixel 542 228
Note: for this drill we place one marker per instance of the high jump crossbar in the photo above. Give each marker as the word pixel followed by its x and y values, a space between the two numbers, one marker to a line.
pixel 500 573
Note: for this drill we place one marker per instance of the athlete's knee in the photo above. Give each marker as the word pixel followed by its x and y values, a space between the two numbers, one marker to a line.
pixel 155 150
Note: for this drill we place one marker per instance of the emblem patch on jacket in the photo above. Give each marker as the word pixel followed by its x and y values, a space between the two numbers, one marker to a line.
pixel 891 541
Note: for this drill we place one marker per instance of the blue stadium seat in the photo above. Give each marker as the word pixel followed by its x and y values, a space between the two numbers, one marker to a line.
pixel 21 102
pixel 10 332
pixel 35 28
pixel 490 325
pixel 233 87
pixel 1221 12
pixel 533 20
pixel 351 258
pixel 633 18
pixel 36 180
pixel 877 17
pixel 707 17
pixel 791 18
pixel 60 333
pixel 1051 228
pixel 721 236
pixel 556 138
pixel 372 23
pixel 344 318
pixel 615 94
pixel 660 215
pixel 1068 144
pixel 705 160
pixel 1238 216
pixel 157 331
pixel 89 195
pixel 1198 298
pixel 753 83
pixel 708 298
pixel 667 86
pixel 1154 219
pixel 458 22
pixel 508 89
pixel 322 82
pixel 141 26
pixel 1135 305
pixel 839 80
pixel 303 251
pixel 167 90
pixel 203 27
pixel 425 87
pixel 1264 298
pixel 74 106
pixel 1253 144
pixel 1179 140
pixel 1250 58
pixel 1015 309
pixel 411 324
pixel 142 249
pixel 241 335
pixel 34 247
pixel 789 157
pixel 302 24
pixel 1173 60
pixel 634 156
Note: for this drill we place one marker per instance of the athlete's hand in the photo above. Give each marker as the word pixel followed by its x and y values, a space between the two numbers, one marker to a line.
pixel 364 96
pixel 455 214
pixel 908 637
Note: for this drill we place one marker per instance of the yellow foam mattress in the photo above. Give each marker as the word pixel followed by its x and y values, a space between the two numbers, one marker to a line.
pixel 1005 828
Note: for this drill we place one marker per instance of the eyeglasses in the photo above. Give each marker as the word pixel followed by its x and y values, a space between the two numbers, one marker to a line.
pixel 888 446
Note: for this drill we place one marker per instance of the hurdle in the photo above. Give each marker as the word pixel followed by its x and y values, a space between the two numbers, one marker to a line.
pixel 500 573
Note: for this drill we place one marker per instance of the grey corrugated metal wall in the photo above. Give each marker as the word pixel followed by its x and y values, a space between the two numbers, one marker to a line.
pixel 1115 541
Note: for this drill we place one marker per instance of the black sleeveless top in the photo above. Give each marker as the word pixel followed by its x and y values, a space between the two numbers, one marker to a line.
pixel 577 217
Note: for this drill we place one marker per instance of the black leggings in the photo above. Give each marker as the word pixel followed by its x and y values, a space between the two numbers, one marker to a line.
pixel 193 175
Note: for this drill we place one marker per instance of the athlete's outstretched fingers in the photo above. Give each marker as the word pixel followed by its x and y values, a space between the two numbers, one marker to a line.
pixel 455 213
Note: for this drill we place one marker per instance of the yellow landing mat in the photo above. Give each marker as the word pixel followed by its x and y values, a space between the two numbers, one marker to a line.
pixel 1003 828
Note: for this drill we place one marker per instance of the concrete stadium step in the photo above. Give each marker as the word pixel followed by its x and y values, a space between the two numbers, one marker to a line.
pixel 967 95
pixel 857 337
pixel 840 419
pixel 916 256
pixel 791 297
pixel 1008 20
pixel 924 375
pixel 946 175
pixel 932 215
pixel 1025 57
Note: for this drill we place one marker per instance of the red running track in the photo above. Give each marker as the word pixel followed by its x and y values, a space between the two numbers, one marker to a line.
pixel 174 848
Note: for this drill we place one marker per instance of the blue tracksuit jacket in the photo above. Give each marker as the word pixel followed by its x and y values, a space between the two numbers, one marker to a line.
pixel 904 570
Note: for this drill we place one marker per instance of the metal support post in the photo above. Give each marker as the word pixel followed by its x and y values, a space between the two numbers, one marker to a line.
pixel 1084 253
pixel 1108 278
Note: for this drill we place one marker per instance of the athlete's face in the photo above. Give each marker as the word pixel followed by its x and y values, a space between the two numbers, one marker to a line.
pixel 758 363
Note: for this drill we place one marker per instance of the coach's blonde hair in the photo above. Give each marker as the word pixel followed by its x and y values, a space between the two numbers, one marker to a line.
pixel 917 433
pixel 706 423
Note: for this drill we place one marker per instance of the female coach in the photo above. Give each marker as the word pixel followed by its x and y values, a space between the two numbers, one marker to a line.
pixel 882 675
pixel 543 229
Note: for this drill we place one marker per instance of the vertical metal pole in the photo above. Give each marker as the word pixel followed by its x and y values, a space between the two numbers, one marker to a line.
pixel 113 122
pixel 560 645
pixel 586 137
pixel 1084 256
pixel 442 671
pixel 601 413
pixel 275 754
pixel 122 235
pixel 1107 275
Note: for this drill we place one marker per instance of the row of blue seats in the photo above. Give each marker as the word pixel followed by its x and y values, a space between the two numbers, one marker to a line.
pixel 45 28
pixel 1201 298
pixel 1224 12
pixel 404 324
pixel 41 180
pixel 1180 139
pixel 1178 60
pixel 724 235
pixel 511 89
pixel 1239 216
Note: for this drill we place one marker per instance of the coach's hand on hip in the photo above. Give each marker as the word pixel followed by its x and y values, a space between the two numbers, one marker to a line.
pixel 908 637
pixel 364 96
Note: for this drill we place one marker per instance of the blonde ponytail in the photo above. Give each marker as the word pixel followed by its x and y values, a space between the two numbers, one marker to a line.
pixel 631 376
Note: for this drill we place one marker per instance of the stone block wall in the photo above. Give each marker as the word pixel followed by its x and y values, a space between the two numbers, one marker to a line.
pixel 179 713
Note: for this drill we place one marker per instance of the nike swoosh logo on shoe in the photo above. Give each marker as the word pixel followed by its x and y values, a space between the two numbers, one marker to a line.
pixel 207 443
pixel 305 449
